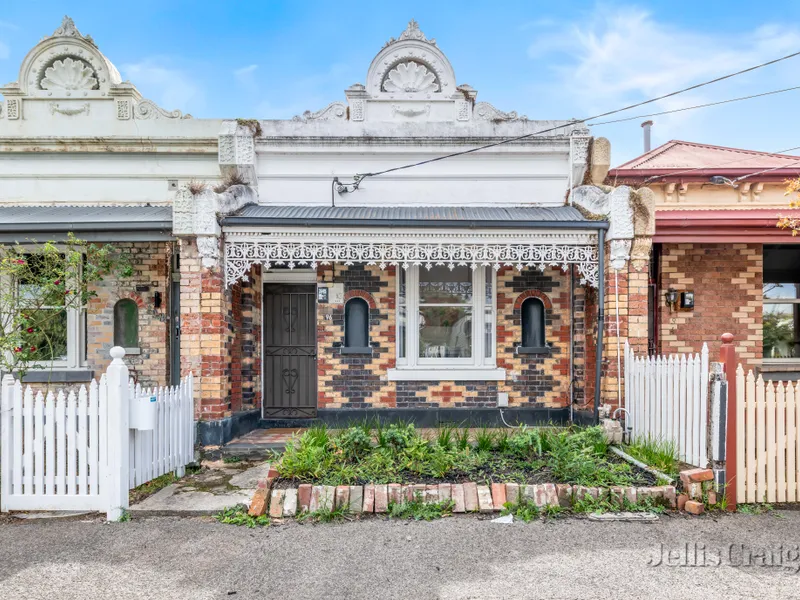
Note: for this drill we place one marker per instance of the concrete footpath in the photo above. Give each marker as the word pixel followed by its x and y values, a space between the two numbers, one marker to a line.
pixel 458 557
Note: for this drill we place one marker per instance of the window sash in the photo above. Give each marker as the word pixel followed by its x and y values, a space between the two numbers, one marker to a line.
pixel 481 355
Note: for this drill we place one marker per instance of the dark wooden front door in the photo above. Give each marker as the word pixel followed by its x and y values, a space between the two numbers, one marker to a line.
pixel 290 350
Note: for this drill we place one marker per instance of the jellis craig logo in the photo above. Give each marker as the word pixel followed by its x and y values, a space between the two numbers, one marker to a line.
pixel 696 554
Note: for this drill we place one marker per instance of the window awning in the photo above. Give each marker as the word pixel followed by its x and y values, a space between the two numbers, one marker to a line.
pixel 293 237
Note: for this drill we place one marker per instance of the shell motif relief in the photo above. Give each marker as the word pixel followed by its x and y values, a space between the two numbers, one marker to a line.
pixel 410 77
pixel 69 74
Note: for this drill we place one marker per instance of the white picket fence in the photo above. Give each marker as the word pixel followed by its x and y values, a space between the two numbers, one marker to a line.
pixel 169 446
pixel 667 399
pixel 768 439
pixel 76 451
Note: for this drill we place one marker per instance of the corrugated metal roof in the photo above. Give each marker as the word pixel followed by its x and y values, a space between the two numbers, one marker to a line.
pixel 84 218
pixel 430 215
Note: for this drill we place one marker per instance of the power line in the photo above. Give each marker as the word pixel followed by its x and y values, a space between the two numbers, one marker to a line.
pixel 676 110
pixel 359 178
pixel 765 171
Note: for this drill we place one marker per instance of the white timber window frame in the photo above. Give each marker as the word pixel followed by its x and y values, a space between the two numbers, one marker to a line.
pixel 480 366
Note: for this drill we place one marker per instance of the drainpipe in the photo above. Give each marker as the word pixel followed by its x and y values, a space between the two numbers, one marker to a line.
pixel 601 319
pixel 646 126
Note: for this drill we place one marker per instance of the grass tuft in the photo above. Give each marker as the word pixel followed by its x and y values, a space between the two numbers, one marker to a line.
pixel 659 454
pixel 237 515
pixel 324 515
pixel 418 510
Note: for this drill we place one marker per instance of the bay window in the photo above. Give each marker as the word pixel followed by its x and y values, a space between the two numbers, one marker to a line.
pixel 446 320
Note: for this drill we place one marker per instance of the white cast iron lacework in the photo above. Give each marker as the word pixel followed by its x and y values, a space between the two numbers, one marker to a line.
pixel 240 256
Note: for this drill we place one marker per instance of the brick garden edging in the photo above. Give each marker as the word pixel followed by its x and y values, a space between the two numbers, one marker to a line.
pixel 467 497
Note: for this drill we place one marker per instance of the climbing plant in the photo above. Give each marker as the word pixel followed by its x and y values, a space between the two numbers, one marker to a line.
pixel 793 191
pixel 40 283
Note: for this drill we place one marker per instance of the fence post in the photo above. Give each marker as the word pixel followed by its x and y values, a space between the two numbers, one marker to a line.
pixel 118 436
pixel 6 394
pixel 727 356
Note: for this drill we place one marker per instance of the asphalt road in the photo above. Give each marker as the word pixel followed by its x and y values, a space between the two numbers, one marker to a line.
pixel 462 557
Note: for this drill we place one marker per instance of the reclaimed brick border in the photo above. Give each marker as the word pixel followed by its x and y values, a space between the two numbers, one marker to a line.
pixel 467 497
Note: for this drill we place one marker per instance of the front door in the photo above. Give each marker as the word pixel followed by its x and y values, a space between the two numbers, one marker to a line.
pixel 290 350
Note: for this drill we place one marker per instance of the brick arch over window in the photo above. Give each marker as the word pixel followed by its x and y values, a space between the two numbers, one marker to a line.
pixel 361 294
pixel 533 294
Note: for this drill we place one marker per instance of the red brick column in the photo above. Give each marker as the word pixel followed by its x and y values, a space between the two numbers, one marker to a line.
pixel 206 332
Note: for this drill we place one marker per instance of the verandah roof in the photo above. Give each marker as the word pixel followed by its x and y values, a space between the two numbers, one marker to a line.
pixel 306 236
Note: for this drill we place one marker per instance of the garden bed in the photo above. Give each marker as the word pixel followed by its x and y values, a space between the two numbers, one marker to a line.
pixel 381 454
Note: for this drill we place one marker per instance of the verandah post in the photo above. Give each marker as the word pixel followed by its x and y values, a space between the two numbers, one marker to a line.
pixel 727 356
pixel 118 436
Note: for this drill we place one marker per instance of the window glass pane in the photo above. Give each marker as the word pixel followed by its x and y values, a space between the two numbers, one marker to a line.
pixel 440 285
pixel 781 330
pixel 30 290
pixel 126 324
pixel 356 323
pixel 445 332
pixel 488 338
pixel 781 291
pixel 489 275
pixel 401 290
pixel 49 336
pixel 401 332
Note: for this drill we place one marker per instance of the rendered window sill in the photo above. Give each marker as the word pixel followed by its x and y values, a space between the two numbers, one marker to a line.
pixel 58 376
pixel 363 351
pixel 447 374
pixel 533 350
pixel 132 351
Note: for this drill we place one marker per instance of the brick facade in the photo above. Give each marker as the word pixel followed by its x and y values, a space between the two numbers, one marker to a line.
pixel 360 381
pixel 727 281
pixel 150 262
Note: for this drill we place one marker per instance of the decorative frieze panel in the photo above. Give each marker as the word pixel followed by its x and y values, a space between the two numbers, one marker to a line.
pixel 241 255
pixel 13 108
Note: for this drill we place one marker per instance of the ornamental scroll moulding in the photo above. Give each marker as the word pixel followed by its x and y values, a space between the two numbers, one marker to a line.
pixel 69 65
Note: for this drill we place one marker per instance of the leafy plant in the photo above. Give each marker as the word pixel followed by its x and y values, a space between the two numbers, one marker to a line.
pixel 660 454
pixel 400 436
pixel 353 442
pixel 237 515
pixel 462 439
pixel 48 280
pixel 421 511
pixel 232 460
pixel 324 515
pixel 754 509
pixel 525 510
pixel 484 440
pixel 444 437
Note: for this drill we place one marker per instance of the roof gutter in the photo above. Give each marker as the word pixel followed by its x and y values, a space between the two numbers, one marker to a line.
pixel 89 226
pixel 429 223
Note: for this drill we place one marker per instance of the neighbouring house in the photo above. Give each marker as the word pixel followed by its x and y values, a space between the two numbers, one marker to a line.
pixel 719 262
pixel 331 265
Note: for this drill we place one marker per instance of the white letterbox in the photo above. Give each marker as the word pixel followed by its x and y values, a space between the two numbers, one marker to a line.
pixel 143 413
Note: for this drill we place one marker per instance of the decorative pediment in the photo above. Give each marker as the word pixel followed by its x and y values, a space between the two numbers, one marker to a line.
pixel 410 76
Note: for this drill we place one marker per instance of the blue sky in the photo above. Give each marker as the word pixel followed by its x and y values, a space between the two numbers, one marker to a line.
pixel 543 59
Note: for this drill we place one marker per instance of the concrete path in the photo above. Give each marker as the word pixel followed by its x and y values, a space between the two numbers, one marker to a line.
pixel 460 557
pixel 205 493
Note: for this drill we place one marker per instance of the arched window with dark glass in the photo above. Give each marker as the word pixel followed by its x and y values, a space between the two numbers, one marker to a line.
pixel 356 325
pixel 126 324
pixel 533 324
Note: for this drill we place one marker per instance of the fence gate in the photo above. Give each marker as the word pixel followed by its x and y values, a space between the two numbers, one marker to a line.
pixel 667 399
pixel 77 450
pixel 768 440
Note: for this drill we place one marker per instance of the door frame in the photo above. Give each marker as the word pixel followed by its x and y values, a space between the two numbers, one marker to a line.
pixel 308 276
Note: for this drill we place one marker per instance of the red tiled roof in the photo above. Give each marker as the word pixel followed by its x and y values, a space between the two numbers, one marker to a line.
pixel 676 157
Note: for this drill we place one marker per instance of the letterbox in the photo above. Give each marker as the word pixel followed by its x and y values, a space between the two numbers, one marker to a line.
pixel 143 413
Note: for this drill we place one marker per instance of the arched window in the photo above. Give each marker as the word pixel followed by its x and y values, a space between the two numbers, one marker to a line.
pixel 126 324
pixel 533 323
pixel 356 324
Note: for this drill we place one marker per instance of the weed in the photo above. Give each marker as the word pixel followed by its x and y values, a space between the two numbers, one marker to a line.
pixel 501 442
pixel 138 494
pixel 231 179
pixel 324 515
pixel 237 515
pixel 421 511
pixel 657 453
pixel 462 439
pixel 550 511
pixel 124 517
pixel 754 509
pixel 195 187
pixel 484 441
pixel 444 437
pixel 525 510
pixel 232 460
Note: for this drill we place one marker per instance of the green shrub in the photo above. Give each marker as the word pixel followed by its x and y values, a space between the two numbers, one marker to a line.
pixel 353 443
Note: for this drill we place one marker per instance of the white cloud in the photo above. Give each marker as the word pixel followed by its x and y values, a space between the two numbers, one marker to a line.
pixel 246 76
pixel 623 54
pixel 170 88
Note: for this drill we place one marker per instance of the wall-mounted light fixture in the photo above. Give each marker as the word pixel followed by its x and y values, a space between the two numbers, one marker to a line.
pixel 671 296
